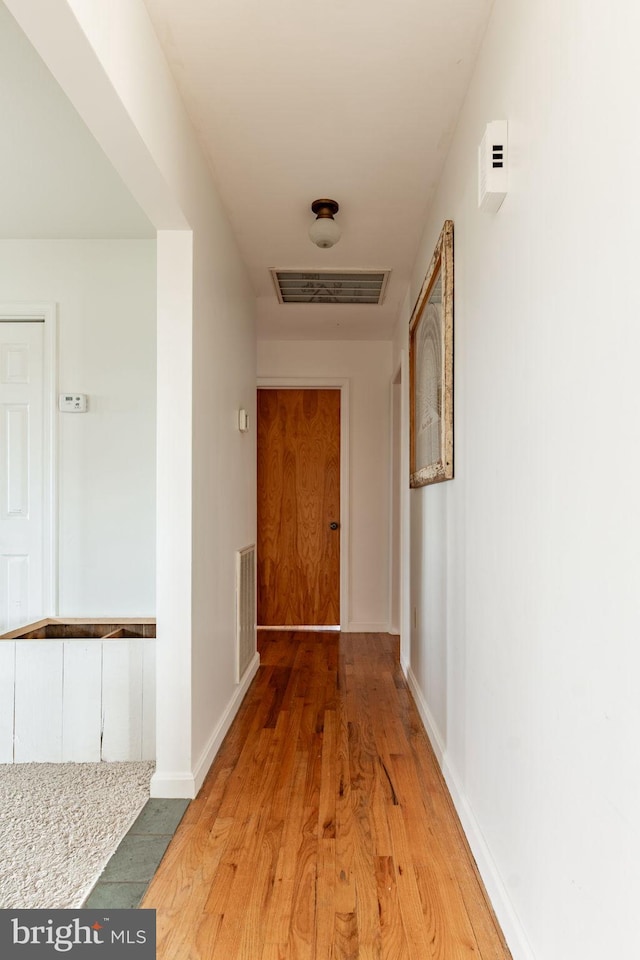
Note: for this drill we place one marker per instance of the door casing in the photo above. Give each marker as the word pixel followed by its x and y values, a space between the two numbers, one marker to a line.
pixel 45 312
pixel 342 384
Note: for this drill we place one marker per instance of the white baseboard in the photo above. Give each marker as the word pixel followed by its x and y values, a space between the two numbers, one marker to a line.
pixel 215 741
pixel 509 921
pixel 426 716
pixel 173 785
pixel 352 627
pixel 186 785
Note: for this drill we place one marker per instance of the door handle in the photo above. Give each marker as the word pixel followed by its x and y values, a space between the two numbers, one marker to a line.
pixel 333 525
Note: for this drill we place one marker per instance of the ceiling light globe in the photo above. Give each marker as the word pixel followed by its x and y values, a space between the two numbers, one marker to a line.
pixel 324 232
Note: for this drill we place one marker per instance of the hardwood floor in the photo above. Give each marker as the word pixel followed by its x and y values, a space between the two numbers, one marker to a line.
pixel 324 830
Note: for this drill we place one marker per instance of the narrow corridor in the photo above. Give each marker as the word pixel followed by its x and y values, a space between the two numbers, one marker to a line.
pixel 324 830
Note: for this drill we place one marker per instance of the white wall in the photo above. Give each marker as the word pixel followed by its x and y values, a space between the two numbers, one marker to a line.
pixel 526 566
pixel 109 62
pixel 105 293
pixel 368 368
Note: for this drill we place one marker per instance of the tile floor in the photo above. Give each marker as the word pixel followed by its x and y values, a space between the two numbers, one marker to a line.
pixel 128 873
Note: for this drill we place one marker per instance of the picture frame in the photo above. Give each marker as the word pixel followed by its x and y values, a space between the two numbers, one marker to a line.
pixel 431 369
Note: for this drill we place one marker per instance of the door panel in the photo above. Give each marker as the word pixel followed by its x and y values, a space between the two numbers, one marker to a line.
pixel 17 464
pixel 21 473
pixel 298 500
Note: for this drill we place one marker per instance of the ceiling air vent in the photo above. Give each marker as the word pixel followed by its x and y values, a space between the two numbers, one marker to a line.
pixel 354 286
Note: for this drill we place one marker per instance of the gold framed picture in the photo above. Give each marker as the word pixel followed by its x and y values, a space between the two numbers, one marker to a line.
pixel 431 369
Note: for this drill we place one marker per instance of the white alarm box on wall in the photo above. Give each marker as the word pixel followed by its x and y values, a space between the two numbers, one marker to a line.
pixel 492 166
pixel 72 403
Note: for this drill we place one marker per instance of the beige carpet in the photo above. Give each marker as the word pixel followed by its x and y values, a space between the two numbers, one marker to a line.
pixel 59 825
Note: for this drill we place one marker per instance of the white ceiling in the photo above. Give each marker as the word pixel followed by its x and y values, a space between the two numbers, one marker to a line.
pixel 293 100
pixel 350 99
pixel 55 181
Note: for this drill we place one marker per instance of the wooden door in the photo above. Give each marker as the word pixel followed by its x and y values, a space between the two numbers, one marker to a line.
pixel 22 529
pixel 298 507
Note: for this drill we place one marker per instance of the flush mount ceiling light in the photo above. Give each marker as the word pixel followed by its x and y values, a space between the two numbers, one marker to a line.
pixel 324 231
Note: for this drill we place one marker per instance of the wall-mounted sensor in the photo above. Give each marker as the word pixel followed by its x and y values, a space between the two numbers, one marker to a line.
pixel 243 421
pixel 492 166
pixel 72 402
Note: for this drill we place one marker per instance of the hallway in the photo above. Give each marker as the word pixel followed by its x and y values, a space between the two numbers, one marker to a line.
pixel 324 829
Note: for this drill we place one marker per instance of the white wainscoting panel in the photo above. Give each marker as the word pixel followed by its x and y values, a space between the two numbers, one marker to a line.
pixel 7 698
pixel 122 700
pixel 82 701
pixel 77 700
pixel 148 699
pixel 38 712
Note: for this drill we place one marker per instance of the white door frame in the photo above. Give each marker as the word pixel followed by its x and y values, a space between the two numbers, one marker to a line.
pixel 401 374
pixel 395 501
pixel 45 312
pixel 341 384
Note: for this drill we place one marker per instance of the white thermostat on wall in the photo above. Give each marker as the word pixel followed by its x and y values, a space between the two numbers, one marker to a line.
pixel 492 166
pixel 72 402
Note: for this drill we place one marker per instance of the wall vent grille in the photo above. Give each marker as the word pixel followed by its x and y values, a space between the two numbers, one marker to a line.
pixel 246 635
pixel 336 286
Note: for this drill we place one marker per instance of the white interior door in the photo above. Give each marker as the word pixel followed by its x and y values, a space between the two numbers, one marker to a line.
pixel 22 474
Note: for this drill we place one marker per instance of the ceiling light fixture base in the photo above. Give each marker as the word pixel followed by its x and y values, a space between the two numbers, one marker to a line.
pixel 325 208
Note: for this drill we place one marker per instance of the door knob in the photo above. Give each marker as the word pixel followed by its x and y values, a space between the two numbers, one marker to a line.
pixel 334 525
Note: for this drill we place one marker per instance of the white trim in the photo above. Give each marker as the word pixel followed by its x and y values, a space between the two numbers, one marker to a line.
pixel 342 384
pixel 405 518
pixel 315 628
pixel 507 917
pixel 392 627
pixel 46 312
pixel 426 716
pixel 173 786
pixel 395 573
pixel 208 755
pixel 180 784
pixel 355 627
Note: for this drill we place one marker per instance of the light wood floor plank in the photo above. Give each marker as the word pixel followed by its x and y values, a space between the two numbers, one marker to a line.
pixel 302 935
pixel 325 900
pixel 324 829
pixel 278 916
pixel 393 941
